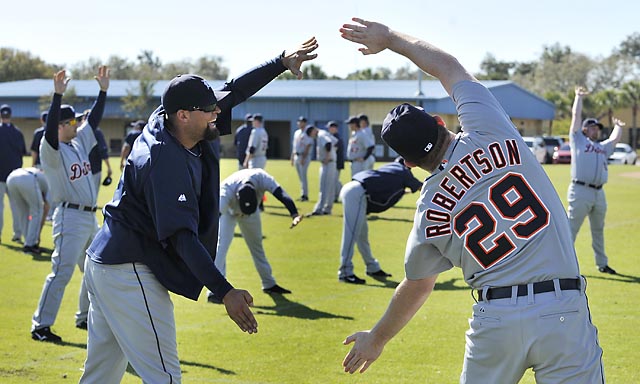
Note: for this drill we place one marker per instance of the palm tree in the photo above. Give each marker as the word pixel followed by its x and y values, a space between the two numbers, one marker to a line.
pixel 607 101
pixel 631 93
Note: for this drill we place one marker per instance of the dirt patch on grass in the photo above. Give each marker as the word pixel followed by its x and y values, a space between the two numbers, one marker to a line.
pixel 633 175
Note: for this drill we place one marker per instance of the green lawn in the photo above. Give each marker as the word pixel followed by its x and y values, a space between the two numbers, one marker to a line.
pixel 300 335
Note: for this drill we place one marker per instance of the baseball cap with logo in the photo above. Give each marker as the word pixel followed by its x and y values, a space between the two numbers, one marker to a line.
pixel 332 123
pixel 353 120
pixel 302 118
pixel 67 112
pixel 5 110
pixel 247 198
pixel 248 117
pixel 591 121
pixel 410 131
pixel 190 92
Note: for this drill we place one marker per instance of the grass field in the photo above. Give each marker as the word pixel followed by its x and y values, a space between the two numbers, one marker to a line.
pixel 300 335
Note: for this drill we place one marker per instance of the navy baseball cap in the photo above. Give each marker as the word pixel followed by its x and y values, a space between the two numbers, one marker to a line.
pixel 410 131
pixel 332 124
pixel 43 115
pixel 591 121
pixel 67 112
pixel 302 118
pixel 247 198
pixel 362 116
pixel 248 117
pixel 5 110
pixel 353 120
pixel 189 91
pixel 257 116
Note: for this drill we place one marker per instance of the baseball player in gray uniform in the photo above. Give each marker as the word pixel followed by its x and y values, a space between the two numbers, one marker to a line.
pixel 326 154
pixel 364 125
pixel 239 197
pixel 374 190
pixel 301 156
pixel 258 144
pixel 489 208
pixel 589 173
pixel 27 188
pixel 359 148
pixel 65 161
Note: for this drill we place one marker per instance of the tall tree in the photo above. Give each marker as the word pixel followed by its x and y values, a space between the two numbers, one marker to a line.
pixel 70 97
pixel 606 101
pixel 631 94
pixel 494 69
pixel 380 73
pixel 139 100
pixel 21 65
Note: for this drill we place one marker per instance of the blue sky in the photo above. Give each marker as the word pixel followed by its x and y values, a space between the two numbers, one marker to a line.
pixel 246 33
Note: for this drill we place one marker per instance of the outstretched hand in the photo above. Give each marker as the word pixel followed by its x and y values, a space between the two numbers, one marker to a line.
pixel 618 122
pixel 363 353
pixel 374 36
pixel 296 221
pixel 293 59
pixel 581 91
pixel 237 303
pixel 60 81
pixel 103 77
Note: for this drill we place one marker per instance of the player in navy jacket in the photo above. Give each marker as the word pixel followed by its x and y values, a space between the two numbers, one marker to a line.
pixel 161 227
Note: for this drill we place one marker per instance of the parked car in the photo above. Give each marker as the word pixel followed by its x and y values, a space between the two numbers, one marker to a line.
pixel 562 155
pixel 536 145
pixel 552 143
pixel 623 154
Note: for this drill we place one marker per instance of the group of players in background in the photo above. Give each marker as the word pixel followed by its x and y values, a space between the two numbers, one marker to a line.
pixel 484 184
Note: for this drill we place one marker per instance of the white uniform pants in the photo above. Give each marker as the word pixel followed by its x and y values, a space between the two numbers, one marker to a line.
pixel 130 320
pixel 327 183
pixel 550 332
pixel 258 162
pixel 73 231
pixel 251 228
pixel 586 201
pixel 355 230
pixel 27 206
pixel 301 169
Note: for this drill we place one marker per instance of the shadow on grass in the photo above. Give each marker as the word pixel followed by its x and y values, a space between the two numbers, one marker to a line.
pixel 450 285
pixel 374 218
pixel 184 363
pixel 285 307
pixel 619 277
pixel 44 256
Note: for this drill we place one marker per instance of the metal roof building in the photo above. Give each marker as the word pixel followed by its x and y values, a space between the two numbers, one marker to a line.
pixel 282 101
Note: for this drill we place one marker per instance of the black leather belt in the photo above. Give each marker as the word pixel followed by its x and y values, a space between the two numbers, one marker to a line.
pixel 79 207
pixel 539 287
pixel 586 184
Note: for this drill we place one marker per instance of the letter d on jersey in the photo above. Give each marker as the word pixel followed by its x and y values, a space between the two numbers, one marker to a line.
pixel 182 197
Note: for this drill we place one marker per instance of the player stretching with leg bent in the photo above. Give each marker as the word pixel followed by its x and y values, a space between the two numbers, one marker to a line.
pixel 490 209
pixel 65 160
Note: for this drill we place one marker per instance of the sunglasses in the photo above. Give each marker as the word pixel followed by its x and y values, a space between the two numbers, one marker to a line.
pixel 206 108
pixel 70 122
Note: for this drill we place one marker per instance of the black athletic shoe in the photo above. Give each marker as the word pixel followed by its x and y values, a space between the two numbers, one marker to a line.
pixel 214 300
pixel 16 240
pixel 276 289
pixel 379 274
pixel 353 279
pixel 32 249
pixel 607 269
pixel 45 334
pixel 82 325
pixel 303 198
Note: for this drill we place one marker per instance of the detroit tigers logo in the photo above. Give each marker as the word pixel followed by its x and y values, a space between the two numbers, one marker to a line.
pixel 206 84
pixel 79 170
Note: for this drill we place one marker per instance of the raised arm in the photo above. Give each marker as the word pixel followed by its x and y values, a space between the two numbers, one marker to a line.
pixel 97 110
pixel 576 110
pixel 377 37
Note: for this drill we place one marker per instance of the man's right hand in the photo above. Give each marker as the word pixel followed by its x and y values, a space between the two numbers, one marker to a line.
pixel 60 81
pixel 237 303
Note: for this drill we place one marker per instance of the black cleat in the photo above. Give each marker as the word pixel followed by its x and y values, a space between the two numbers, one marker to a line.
pixel 214 300
pixel 379 274
pixel 303 198
pixel 16 240
pixel 353 279
pixel 276 289
pixel 607 269
pixel 45 334
pixel 32 249
pixel 82 325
